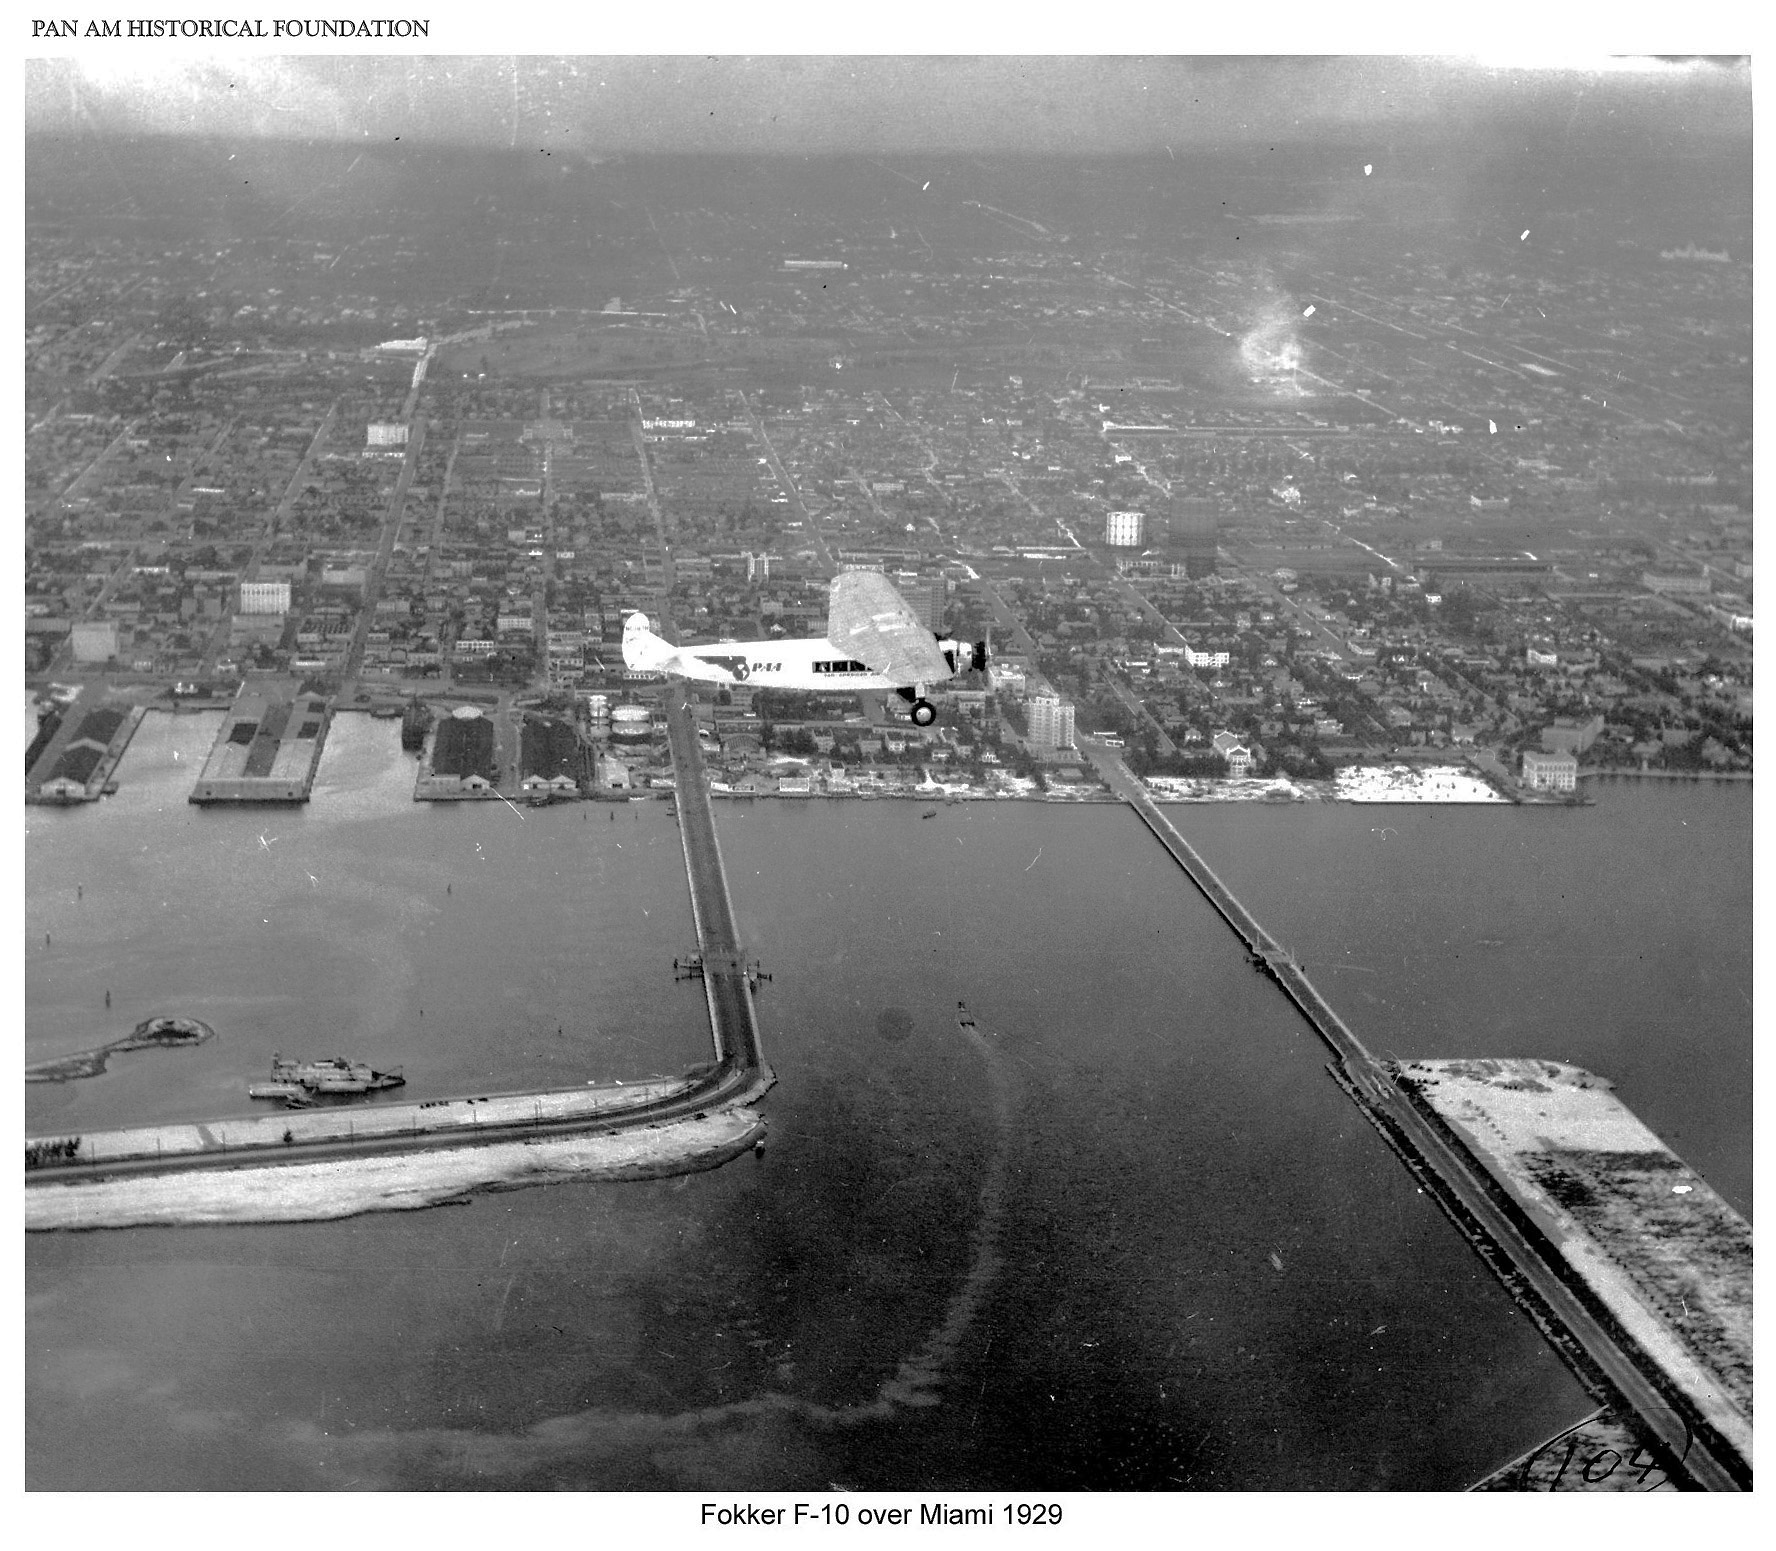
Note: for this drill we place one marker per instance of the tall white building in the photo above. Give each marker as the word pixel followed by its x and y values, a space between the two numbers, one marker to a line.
pixel 265 597
pixel 1124 529
pixel 1050 721
pixel 1550 772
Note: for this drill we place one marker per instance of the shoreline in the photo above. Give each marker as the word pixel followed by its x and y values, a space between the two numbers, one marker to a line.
pixel 1628 773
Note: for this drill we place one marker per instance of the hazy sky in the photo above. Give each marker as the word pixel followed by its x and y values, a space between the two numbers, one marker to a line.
pixel 866 103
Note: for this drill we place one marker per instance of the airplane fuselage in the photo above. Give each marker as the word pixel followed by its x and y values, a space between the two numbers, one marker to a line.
pixel 784 664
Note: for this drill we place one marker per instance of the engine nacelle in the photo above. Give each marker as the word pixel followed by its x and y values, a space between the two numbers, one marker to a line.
pixel 961 656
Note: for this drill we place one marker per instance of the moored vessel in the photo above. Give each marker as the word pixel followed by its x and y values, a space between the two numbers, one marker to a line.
pixel 331 1074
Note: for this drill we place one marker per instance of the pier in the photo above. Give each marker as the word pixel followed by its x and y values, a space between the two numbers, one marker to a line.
pixel 267 749
pixel 1607 1360
pixel 79 758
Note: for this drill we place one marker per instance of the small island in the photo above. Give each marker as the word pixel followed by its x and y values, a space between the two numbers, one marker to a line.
pixel 151 1034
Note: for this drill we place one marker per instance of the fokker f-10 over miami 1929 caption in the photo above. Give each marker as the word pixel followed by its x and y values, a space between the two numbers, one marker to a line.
pixel 873 640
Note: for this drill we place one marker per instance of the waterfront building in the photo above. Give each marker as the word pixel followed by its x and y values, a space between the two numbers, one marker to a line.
pixel 1550 772
pixel 1050 721
pixel 1237 754
pixel 267 750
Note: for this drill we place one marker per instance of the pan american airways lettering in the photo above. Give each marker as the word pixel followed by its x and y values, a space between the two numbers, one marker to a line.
pixel 232 27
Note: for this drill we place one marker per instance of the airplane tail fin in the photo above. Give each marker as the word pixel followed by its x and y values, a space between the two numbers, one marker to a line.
pixel 642 649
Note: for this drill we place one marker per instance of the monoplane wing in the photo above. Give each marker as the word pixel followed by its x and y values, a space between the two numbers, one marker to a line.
pixel 869 619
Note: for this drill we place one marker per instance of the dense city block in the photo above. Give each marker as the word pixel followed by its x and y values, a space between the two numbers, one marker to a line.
pixel 1320 482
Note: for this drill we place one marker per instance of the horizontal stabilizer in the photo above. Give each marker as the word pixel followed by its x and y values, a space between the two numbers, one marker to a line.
pixel 643 651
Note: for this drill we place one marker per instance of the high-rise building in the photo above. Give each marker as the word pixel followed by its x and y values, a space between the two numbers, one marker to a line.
pixel 1192 531
pixel 927 598
pixel 1125 530
pixel 1050 720
pixel 265 597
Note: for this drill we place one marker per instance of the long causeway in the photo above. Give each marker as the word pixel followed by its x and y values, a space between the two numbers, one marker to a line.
pixel 1568 1314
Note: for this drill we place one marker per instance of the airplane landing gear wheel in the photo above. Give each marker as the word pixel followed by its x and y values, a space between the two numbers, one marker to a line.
pixel 924 713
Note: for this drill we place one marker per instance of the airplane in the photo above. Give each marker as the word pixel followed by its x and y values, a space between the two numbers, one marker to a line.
pixel 873 641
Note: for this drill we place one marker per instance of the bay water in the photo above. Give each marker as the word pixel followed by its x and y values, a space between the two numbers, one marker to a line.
pixel 1122 1232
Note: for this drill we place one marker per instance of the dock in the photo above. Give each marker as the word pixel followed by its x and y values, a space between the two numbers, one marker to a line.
pixel 78 760
pixel 267 749
pixel 1613 1365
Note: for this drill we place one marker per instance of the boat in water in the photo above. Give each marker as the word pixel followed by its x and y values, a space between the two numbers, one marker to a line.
pixel 303 1079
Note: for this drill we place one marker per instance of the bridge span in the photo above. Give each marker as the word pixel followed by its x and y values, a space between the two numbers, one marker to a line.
pixel 733 1020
